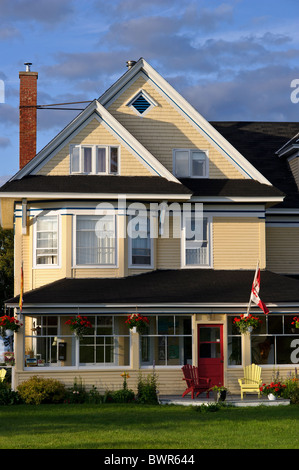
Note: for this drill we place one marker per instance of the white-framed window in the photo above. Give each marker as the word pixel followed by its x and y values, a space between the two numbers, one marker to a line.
pixel 94 159
pixel 196 241
pixel 167 341
pixel 190 163
pixel 95 240
pixel 49 342
pixel 46 246
pixel 141 247
pixel 275 342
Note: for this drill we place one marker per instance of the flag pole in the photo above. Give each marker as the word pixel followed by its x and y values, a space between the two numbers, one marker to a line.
pixel 254 279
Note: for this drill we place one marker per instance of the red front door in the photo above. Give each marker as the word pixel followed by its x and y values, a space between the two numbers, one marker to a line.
pixel 210 353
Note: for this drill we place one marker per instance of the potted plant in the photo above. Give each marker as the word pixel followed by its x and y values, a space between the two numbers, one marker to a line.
pixel 137 322
pixel 273 390
pixel 9 325
pixel 220 392
pixel 246 323
pixel 79 325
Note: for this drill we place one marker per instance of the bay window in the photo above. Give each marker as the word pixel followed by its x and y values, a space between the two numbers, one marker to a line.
pixel 141 246
pixel 46 240
pixel 95 240
pixel 196 246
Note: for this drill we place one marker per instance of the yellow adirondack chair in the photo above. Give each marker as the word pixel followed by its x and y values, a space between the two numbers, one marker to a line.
pixel 2 374
pixel 251 381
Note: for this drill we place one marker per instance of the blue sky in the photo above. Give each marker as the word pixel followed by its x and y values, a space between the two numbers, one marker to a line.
pixel 233 60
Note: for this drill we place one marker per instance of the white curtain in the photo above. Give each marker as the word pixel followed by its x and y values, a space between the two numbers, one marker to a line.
pixel 95 240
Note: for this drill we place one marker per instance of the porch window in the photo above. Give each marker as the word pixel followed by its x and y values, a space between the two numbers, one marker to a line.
pixel 274 342
pixel 95 240
pixel 168 341
pixel 234 343
pixel 50 343
pixel 196 248
pixel 46 245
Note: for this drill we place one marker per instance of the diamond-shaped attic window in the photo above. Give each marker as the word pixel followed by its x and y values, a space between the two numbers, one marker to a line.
pixel 141 103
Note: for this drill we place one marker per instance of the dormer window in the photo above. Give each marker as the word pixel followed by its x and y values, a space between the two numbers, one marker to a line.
pixel 189 163
pixel 94 159
pixel 141 103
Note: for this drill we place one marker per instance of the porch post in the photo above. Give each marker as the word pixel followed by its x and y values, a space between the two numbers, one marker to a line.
pixel 134 351
pixel 246 350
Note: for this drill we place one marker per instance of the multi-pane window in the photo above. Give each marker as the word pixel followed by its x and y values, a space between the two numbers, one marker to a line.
pixel 168 341
pixel 274 342
pixel 196 241
pixel 94 159
pixel 141 246
pixel 95 240
pixel 49 342
pixel 46 245
pixel 190 163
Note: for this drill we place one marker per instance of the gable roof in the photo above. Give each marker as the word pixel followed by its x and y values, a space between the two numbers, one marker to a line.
pixel 95 111
pixel 187 111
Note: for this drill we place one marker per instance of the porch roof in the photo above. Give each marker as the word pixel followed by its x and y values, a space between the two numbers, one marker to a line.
pixel 194 286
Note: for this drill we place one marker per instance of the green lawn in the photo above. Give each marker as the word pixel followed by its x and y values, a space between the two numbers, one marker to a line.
pixel 111 426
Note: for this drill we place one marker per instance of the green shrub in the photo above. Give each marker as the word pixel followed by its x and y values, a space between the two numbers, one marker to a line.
pixel 38 390
pixel 147 390
pixel 8 396
pixel 123 395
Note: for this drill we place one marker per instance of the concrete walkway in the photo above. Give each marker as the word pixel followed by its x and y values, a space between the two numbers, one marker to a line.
pixel 233 400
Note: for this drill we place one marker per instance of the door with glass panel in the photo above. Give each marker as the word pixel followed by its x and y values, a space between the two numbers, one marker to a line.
pixel 210 352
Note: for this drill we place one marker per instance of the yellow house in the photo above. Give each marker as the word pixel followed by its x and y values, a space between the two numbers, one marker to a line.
pixel 141 206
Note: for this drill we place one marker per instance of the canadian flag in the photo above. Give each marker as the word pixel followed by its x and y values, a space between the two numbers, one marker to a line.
pixel 255 291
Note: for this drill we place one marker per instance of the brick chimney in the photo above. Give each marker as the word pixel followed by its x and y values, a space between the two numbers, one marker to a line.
pixel 28 102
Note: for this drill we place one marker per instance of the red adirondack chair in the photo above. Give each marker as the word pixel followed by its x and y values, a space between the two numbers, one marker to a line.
pixel 195 383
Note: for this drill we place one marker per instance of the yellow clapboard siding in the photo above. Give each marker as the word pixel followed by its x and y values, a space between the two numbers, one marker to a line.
pixel 169 381
pixel 163 129
pixel 236 243
pixel 282 249
pixel 95 272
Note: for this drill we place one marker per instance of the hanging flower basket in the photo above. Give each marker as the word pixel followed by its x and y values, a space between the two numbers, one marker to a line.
pixel 246 324
pixel 79 325
pixel 9 325
pixel 137 321
pixel 295 322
